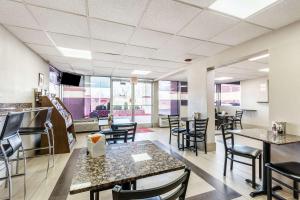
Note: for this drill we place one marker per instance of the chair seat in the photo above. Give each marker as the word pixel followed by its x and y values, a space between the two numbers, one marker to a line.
pixel 8 150
pixel 154 198
pixel 31 130
pixel 290 169
pixel 178 130
pixel 245 150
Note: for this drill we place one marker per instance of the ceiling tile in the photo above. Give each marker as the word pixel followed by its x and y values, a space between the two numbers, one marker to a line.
pixel 103 71
pixel 75 6
pixel 61 66
pixel 148 38
pixel 239 33
pixel 138 51
pixel 107 47
pixel 99 63
pixel 278 15
pixel 80 63
pixel 179 45
pixel 68 41
pixel 107 57
pixel 134 60
pixel 207 24
pixel 168 16
pixel 208 48
pixel 125 12
pixel 43 49
pixel 61 22
pixel 163 63
pixel 15 13
pixel 30 35
pixel 110 31
pixel 200 3
pixel 57 59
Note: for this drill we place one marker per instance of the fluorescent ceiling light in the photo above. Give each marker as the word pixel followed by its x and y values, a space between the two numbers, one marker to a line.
pixel 140 72
pixel 259 57
pixel 240 8
pixel 264 70
pixel 75 53
pixel 222 78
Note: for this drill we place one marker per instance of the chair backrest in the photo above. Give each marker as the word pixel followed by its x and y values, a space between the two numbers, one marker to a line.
pixel 239 114
pixel 180 185
pixel 10 130
pixel 200 126
pixel 12 124
pixel 129 127
pixel 174 121
pixel 115 136
pixel 227 136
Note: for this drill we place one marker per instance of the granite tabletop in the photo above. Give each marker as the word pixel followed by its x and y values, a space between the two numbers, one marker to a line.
pixel 122 163
pixel 267 136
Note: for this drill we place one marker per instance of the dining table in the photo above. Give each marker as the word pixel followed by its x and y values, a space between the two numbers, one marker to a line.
pixel 268 138
pixel 122 164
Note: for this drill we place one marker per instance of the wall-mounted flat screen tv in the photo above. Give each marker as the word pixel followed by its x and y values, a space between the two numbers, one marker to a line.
pixel 70 79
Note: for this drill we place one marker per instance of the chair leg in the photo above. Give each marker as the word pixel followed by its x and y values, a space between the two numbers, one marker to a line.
pixel 269 184
pixel 241 125
pixel 260 166
pixel 225 164
pixel 24 163
pixel 53 147
pixel 178 140
pixel 8 172
pixel 205 146
pixel 49 152
pixel 196 147
pixel 170 138
pixel 253 173
pixel 295 194
pixel 231 164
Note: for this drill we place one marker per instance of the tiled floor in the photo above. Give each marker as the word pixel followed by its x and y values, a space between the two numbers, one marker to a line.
pixel 40 188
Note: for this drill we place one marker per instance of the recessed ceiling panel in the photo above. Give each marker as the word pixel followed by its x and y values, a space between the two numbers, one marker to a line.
pixel 148 38
pixel 168 16
pixel 280 14
pixel 15 13
pixel 73 42
pixel 134 60
pixel 30 35
pixel 74 6
pixel 107 57
pixel 125 12
pixel 107 47
pixel 207 24
pixel 239 33
pixel 61 22
pixel 110 31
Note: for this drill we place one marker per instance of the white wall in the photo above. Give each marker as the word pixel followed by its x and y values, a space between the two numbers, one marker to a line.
pixel 19 70
pixel 250 94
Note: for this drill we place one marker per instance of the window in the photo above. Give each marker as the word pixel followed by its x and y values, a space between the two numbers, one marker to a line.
pixel 228 94
pixel 143 102
pixel 172 98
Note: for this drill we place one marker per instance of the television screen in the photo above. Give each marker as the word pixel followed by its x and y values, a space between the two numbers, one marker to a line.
pixel 70 79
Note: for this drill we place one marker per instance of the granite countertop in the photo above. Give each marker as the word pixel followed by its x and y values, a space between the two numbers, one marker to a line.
pixel 118 166
pixel 267 136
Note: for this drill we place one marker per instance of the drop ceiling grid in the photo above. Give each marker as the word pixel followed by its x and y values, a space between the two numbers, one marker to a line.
pixel 79 13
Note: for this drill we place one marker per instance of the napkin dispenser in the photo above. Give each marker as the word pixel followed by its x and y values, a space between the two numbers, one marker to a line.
pixel 96 145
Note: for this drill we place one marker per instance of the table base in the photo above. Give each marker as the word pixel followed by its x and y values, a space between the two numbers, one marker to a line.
pixel 260 191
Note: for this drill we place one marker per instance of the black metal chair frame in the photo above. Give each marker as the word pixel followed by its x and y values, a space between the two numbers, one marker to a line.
pixel 11 140
pixel 180 185
pixel 112 137
pixel 228 151
pixel 270 192
pixel 129 127
pixel 198 135
pixel 46 130
pixel 238 118
pixel 174 124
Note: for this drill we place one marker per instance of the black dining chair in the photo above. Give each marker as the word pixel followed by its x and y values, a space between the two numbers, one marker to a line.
pixel 290 170
pixel 10 143
pixel 232 150
pixel 198 135
pixel 129 127
pixel 45 129
pixel 115 136
pixel 175 129
pixel 177 188
pixel 237 119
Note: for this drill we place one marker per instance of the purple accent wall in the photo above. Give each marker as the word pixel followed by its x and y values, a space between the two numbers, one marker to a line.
pixel 75 106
